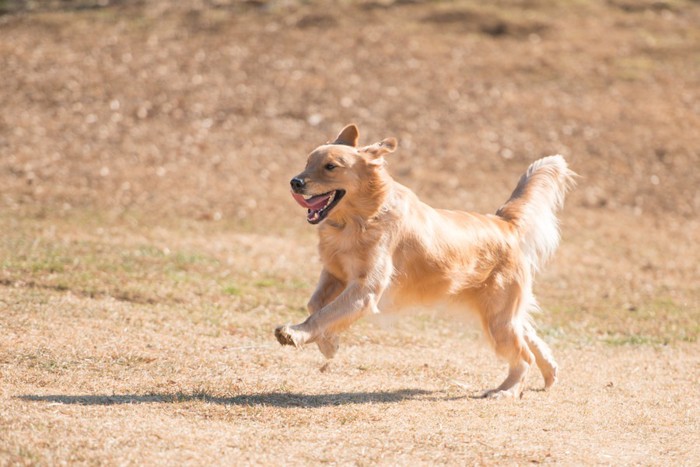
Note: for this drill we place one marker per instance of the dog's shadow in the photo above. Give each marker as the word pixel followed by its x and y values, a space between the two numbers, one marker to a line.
pixel 273 399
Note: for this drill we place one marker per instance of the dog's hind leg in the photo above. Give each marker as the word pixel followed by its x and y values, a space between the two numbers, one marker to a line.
pixel 504 326
pixel 543 356
pixel 510 346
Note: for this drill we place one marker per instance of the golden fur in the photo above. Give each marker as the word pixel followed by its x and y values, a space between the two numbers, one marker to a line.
pixel 382 247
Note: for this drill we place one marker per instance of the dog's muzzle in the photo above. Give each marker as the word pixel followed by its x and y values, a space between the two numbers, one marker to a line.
pixel 297 184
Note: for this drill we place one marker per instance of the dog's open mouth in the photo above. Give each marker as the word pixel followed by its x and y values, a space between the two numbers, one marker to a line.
pixel 319 205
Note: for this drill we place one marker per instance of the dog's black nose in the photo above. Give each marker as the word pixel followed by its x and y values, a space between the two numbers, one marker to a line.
pixel 297 184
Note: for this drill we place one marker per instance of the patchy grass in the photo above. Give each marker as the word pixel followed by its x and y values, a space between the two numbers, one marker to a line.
pixel 99 265
pixel 659 322
pixel 232 290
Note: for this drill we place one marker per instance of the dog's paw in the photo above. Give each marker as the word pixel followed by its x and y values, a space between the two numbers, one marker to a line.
pixel 550 378
pixel 287 336
pixel 513 393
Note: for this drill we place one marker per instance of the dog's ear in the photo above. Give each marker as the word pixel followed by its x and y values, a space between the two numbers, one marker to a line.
pixel 348 136
pixel 376 151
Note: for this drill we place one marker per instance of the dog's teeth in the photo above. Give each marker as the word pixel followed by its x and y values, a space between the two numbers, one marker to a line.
pixel 308 196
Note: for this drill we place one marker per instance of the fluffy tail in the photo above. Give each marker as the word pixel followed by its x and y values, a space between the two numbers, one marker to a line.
pixel 533 205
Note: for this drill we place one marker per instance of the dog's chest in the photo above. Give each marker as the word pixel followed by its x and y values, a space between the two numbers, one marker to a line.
pixel 347 254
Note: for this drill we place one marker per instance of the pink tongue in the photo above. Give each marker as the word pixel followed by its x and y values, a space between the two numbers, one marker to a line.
pixel 315 203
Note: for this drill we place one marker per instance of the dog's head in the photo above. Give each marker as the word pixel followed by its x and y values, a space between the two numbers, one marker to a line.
pixel 338 172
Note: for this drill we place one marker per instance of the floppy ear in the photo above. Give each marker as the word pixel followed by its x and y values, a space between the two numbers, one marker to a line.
pixel 348 136
pixel 376 151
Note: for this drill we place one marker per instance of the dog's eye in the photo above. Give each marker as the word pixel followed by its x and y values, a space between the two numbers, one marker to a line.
pixel 329 167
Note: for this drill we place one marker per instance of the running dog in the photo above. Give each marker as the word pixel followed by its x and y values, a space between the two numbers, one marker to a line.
pixel 382 248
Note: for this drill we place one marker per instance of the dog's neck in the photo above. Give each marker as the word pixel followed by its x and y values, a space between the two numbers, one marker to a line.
pixel 359 211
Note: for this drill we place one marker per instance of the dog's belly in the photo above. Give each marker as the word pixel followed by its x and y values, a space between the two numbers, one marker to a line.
pixel 396 304
pixel 428 294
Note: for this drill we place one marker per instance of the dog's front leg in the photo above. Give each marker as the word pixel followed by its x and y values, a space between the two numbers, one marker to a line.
pixel 359 298
pixel 327 290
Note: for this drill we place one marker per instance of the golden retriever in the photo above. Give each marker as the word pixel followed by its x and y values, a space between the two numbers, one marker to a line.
pixel 382 247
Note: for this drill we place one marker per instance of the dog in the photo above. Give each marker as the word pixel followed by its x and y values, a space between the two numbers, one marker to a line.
pixel 382 247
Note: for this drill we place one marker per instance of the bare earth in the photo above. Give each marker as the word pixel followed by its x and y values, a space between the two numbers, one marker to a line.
pixel 149 243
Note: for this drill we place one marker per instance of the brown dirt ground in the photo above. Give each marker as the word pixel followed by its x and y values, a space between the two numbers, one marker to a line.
pixel 149 244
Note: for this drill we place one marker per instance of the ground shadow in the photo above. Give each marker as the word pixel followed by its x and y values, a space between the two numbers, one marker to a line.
pixel 274 399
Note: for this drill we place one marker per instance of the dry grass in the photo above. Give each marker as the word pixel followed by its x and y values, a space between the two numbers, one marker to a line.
pixel 104 379
pixel 149 245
